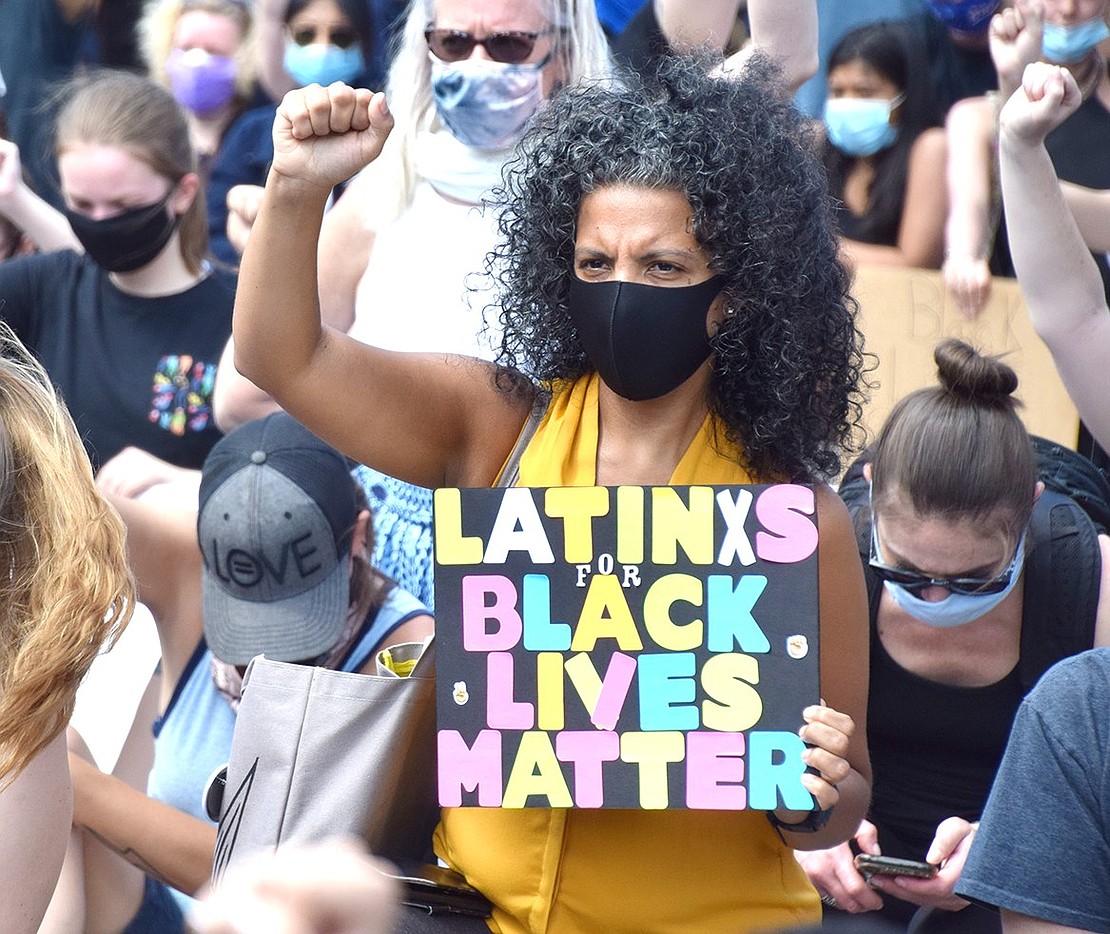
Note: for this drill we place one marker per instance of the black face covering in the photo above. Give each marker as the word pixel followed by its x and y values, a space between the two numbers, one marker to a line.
pixel 127 241
pixel 644 340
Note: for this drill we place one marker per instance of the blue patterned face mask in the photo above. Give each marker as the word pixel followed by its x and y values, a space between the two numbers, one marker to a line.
pixel 957 609
pixel 486 104
pixel 1063 44
pixel 963 15
pixel 318 63
pixel 861 126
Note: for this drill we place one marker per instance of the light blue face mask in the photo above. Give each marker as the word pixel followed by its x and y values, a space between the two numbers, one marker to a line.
pixel 318 63
pixel 861 126
pixel 486 104
pixel 1063 44
pixel 956 609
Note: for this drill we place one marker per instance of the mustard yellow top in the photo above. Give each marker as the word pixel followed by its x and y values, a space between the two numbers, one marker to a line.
pixel 591 871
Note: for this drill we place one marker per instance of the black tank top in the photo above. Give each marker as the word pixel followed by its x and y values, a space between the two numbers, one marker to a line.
pixel 934 749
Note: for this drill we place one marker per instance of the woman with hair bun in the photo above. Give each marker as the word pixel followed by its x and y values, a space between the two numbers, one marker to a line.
pixel 957 536
pixel 66 593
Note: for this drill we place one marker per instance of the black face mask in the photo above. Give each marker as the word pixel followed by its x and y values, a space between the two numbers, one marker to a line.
pixel 127 241
pixel 644 340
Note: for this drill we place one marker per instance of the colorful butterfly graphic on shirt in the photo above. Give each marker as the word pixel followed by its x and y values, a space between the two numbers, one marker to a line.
pixel 182 394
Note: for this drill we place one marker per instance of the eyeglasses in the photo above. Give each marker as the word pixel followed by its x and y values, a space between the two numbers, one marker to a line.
pixel 969 586
pixel 509 48
pixel 341 37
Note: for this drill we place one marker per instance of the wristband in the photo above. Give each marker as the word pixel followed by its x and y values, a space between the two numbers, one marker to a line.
pixel 811 823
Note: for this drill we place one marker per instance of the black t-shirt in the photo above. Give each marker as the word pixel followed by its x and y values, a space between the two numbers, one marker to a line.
pixel 133 370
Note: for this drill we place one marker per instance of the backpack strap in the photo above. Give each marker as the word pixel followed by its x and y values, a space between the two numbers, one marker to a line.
pixel 1063 571
pixel 855 491
pixel 510 471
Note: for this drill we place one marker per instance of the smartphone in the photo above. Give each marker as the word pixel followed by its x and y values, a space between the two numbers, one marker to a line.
pixel 870 865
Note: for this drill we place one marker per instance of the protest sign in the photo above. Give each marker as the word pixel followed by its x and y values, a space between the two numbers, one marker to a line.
pixel 625 647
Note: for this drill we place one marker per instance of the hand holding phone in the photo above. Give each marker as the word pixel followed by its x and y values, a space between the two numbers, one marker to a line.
pixel 869 865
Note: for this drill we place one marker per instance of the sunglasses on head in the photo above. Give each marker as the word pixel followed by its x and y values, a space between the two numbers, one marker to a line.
pixel 509 48
pixel 340 36
pixel 915 581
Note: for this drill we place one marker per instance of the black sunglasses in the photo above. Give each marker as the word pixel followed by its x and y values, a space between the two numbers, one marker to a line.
pixel 509 48
pixel 340 37
pixel 914 581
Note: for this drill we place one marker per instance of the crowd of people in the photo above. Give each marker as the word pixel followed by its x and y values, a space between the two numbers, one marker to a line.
pixel 263 291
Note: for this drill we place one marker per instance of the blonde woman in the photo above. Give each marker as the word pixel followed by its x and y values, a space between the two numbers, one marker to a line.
pixel 203 51
pixel 66 593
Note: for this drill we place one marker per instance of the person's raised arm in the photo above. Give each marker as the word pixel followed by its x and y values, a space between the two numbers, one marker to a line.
pixel 690 24
pixel 786 30
pixel 1061 284
pixel 1015 37
pixel 270 44
pixel 456 425
pixel 42 222
pixel 235 399
pixel 346 240
pixel 163 554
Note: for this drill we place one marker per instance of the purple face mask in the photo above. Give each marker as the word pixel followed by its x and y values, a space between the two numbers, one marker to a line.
pixel 964 15
pixel 201 82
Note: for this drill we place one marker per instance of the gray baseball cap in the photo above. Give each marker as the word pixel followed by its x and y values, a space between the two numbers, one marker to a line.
pixel 277 507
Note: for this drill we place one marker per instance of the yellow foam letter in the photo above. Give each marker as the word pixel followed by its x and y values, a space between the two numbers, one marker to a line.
pixel 605 615
pixel 452 547
pixel 674 523
pixel 666 591
pixel 630 524
pixel 577 506
pixel 536 772
pixel 653 751
pixel 549 691
pixel 728 679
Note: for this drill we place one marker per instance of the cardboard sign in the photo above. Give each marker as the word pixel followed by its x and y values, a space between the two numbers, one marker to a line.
pixel 905 313
pixel 625 647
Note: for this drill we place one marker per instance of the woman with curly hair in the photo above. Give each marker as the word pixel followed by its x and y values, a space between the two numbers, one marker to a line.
pixel 676 289
pixel 66 592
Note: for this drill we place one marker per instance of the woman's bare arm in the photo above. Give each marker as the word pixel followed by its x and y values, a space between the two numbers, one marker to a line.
pixel 968 236
pixel 1091 209
pixel 1061 284
pixel 42 222
pixel 455 424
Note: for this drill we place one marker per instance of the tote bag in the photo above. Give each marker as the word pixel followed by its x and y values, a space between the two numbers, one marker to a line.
pixel 318 752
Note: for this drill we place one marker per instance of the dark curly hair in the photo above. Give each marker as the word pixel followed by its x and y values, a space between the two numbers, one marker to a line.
pixel 788 365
